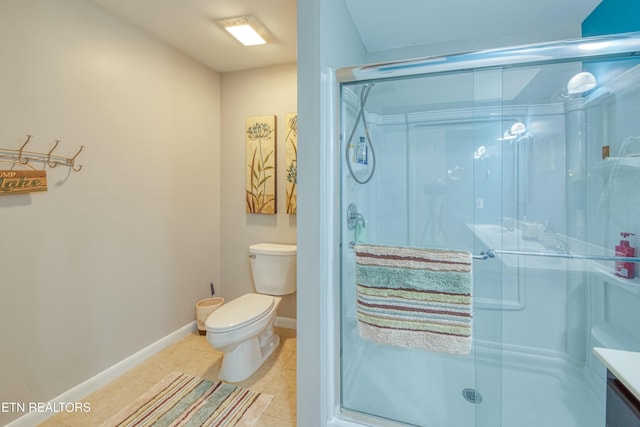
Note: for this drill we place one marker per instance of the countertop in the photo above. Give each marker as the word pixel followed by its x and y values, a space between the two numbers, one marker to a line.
pixel 625 365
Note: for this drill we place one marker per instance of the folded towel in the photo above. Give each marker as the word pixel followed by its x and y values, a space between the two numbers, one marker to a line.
pixel 416 298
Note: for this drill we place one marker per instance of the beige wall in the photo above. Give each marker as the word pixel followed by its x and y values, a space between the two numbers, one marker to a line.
pixel 114 257
pixel 259 92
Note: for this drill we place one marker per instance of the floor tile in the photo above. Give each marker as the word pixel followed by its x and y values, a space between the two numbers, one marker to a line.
pixel 194 356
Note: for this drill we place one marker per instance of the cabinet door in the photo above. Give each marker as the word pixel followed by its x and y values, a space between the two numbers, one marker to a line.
pixel 623 409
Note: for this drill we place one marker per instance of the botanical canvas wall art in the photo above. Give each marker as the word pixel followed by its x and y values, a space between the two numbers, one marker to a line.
pixel 260 139
pixel 291 142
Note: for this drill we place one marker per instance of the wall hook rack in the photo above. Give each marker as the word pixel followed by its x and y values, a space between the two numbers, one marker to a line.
pixel 50 159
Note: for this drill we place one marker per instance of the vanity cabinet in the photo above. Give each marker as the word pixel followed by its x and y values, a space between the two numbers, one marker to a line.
pixel 623 408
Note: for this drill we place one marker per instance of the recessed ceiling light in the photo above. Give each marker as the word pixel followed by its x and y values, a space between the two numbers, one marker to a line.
pixel 246 29
pixel 580 83
pixel 518 128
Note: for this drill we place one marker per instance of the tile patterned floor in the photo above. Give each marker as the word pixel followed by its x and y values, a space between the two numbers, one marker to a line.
pixel 194 356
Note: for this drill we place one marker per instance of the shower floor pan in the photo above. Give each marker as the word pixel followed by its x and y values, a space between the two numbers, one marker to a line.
pixel 431 390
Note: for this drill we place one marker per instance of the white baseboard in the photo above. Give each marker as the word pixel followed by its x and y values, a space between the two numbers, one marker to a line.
pixel 286 322
pixel 77 393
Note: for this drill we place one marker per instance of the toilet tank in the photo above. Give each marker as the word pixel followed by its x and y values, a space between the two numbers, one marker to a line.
pixel 273 267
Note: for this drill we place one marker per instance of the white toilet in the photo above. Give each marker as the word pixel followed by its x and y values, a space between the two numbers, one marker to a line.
pixel 243 328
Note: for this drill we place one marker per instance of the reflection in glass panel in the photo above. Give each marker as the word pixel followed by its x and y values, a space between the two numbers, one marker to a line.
pixel 535 164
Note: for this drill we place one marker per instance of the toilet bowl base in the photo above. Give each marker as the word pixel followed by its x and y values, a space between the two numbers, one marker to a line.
pixel 239 363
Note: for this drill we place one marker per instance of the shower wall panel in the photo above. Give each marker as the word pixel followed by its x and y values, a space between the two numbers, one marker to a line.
pixel 429 191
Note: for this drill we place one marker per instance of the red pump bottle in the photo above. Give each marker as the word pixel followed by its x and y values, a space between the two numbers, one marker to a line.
pixel 625 269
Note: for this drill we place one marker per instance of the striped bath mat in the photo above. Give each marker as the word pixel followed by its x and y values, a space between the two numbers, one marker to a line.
pixel 416 298
pixel 181 400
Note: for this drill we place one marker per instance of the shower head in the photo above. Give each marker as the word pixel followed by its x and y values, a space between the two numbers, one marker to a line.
pixel 364 93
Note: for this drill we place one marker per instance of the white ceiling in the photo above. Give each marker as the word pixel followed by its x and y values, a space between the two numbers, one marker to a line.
pixel 385 24
pixel 190 25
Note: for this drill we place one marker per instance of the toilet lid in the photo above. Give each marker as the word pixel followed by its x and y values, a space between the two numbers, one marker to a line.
pixel 239 312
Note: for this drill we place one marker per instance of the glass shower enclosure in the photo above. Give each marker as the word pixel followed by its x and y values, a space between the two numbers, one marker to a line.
pixel 528 160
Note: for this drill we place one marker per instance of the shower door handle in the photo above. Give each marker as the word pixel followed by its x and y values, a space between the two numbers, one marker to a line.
pixel 353 217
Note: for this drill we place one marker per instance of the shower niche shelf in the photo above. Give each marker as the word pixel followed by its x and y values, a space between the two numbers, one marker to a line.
pixel 630 165
pixel 630 285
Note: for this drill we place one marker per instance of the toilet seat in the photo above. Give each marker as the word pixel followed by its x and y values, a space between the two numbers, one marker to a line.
pixel 239 312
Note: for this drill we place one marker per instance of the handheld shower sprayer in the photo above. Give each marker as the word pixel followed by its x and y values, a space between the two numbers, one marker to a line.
pixel 364 94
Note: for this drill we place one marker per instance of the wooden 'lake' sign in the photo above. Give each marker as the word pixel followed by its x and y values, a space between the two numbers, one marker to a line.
pixel 13 182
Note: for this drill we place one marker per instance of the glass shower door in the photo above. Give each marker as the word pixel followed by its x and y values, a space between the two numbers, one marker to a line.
pixel 426 181
pixel 532 168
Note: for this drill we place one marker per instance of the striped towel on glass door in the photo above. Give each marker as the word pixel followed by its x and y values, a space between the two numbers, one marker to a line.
pixel 415 298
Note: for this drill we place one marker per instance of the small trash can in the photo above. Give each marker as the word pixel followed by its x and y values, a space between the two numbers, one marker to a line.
pixel 203 309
